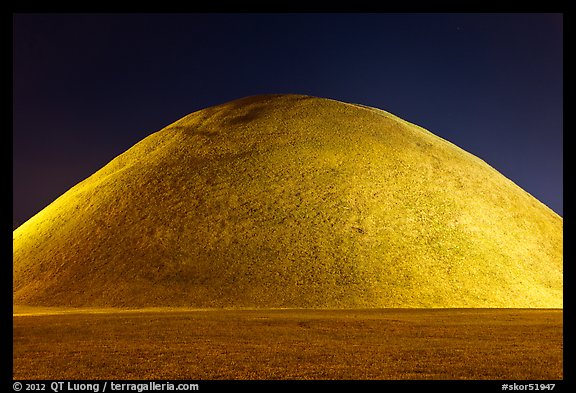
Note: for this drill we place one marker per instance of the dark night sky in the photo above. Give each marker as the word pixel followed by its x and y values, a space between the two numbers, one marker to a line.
pixel 87 87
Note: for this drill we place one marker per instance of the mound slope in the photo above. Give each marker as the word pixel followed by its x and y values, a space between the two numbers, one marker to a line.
pixel 292 201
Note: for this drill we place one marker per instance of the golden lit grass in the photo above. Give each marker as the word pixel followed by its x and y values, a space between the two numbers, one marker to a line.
pixel 511 344
pixel 292 201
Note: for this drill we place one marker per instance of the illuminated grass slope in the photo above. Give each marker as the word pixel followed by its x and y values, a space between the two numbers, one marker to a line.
pixel 292 201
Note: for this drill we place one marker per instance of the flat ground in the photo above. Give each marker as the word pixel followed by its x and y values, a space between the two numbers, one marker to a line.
pixel 513 344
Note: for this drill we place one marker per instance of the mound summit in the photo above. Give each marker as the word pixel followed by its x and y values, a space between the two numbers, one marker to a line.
pixel 292 201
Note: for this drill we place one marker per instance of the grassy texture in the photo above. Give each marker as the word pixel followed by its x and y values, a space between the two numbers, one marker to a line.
pixel 292 201
pixel 291 344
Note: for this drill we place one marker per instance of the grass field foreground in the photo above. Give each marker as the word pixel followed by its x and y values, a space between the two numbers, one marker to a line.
pixel 514 344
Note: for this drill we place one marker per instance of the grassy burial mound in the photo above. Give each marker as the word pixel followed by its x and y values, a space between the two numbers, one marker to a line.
pixel 292 201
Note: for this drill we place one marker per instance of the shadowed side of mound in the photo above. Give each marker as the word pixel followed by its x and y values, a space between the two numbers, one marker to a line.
pixel 292 201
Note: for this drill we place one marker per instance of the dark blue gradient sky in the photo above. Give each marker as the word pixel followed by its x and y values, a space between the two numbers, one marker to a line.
pixel 87 87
